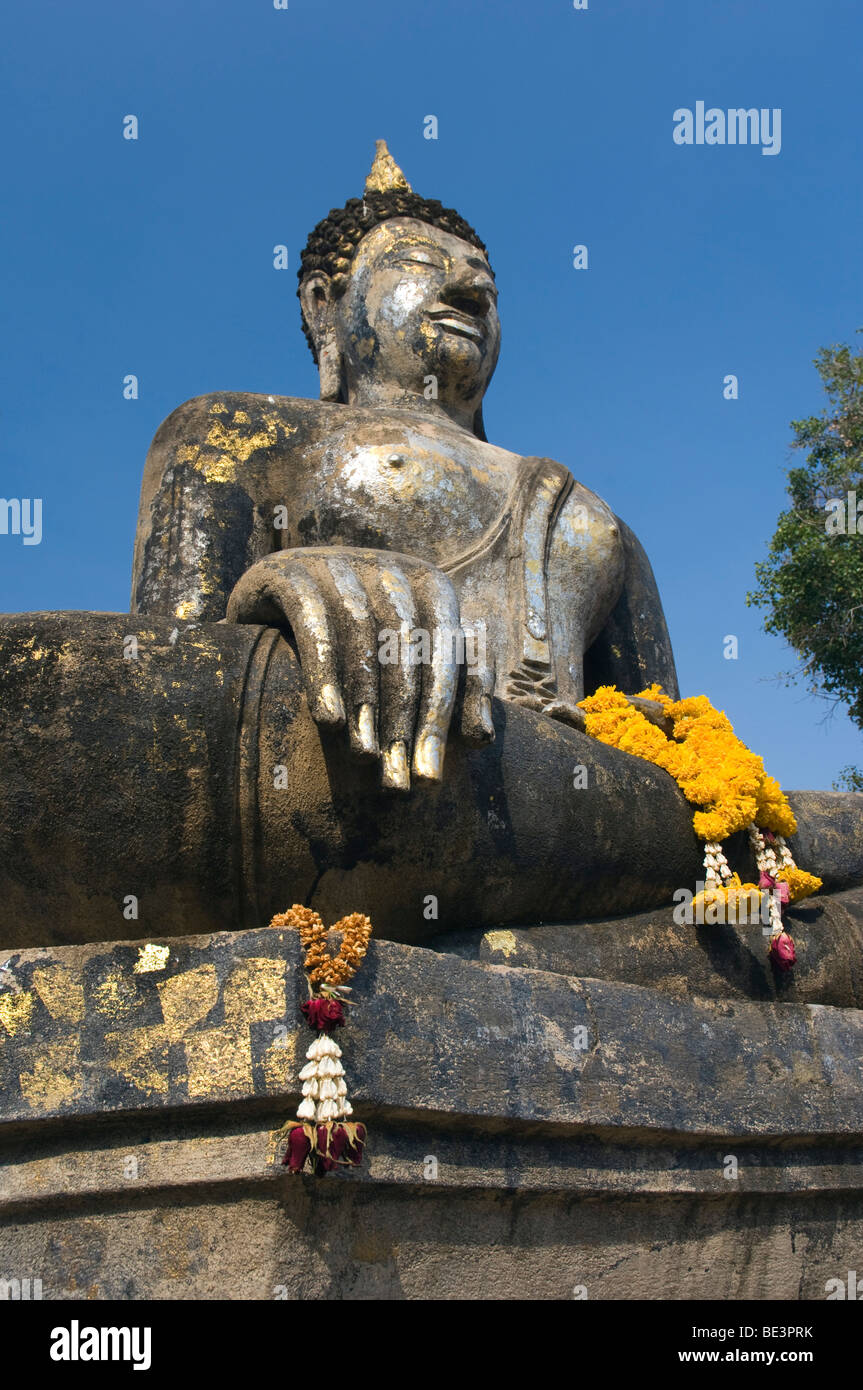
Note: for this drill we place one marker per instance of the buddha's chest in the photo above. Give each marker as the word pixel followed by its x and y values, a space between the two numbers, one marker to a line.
pixel 531 552
pixel 393 487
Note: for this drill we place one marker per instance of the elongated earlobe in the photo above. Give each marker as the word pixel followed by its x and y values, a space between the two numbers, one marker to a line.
pixel 330 368
pixel 316 297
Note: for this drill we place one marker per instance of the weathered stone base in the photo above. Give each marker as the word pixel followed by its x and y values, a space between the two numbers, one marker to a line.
pixel 532 1134
pixel 298 1239
pixel 623 1221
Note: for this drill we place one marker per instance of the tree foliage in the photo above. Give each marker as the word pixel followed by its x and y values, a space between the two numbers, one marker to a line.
pixel 811 583
pixel 850 780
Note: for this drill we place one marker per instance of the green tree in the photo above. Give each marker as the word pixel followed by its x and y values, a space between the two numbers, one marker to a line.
pixel 811 583
pixel 850 780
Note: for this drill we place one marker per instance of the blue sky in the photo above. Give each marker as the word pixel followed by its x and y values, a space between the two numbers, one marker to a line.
pixel 154 257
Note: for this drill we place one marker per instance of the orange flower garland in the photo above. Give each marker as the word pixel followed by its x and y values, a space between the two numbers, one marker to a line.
pixel 325 1138
pixel 718 773
pixel 320 966
pixel 711 766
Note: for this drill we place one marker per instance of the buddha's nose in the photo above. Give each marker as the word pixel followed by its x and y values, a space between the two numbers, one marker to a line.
pixel 472 292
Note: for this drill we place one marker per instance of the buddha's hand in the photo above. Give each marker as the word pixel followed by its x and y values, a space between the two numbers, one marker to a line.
pixel 569 713
pixel 382 649
pixel 653 711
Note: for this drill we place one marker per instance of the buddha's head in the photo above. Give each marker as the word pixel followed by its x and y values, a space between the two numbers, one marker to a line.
pixel 399 301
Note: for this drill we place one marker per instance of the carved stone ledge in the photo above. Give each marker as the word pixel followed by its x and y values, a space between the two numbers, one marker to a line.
pixel 529 1131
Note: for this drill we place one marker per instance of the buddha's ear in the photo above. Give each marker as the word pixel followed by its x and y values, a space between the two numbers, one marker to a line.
pixel 316 298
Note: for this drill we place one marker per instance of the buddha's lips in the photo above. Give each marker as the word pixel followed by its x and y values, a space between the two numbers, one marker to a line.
pixel 458 322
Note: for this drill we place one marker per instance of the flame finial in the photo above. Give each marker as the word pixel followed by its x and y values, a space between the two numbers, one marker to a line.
pixel 385 175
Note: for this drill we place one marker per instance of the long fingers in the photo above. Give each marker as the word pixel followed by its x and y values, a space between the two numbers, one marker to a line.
pixel 399 672
pixel 278 591
pixel 381 648
pixel 359 665
pixel 444 643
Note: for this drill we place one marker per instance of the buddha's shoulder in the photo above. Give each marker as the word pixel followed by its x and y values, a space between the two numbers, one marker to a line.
pixel 243 417
pixel 580 500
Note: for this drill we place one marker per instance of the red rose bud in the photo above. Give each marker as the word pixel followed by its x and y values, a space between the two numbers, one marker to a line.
pixel 766 880
pixel 784 892
pixel 782 951
pixel 324 1164
pixel 354 1149
pixel 769 836
pixel 332 1140
pixel 338 1141
pixel 323 1014
pixel 298 1150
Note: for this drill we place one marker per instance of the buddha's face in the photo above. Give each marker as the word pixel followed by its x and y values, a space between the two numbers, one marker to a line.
pixel 420 303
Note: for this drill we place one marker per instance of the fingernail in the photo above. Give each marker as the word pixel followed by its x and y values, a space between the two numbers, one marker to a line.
pixel 428 757
pixel 330 705
pixel 367 739
pixel 395 767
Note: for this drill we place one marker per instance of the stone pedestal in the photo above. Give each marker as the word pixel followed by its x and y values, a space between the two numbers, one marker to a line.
pixel 532 1133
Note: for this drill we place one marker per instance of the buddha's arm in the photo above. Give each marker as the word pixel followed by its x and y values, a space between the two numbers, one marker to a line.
pixel 633 650
pixel 201 523
pixel 207 549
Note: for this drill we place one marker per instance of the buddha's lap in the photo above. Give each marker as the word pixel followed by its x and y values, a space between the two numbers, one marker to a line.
pixel 181 763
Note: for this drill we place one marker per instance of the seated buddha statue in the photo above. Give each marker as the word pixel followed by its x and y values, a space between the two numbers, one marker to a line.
pixel 384 508
pixel 360 633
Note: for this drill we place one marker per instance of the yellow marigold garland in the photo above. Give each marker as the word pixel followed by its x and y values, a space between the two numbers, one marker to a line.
pixel 711 766
pixel 719 774
pixel 801 884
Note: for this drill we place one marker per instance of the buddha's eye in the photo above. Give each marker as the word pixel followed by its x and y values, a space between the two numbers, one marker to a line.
pixel 416 258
